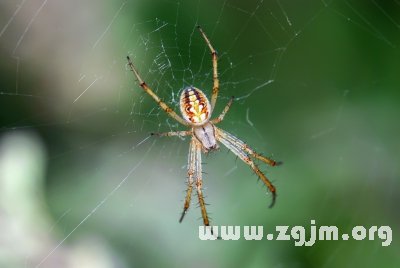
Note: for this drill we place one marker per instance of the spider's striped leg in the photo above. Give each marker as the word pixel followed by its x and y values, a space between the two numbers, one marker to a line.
pixel 173 133
pixel 190 171
pixel 237 147
pixel 199 183
pixel 223 113
pixel 250 151
pixel 215 69
pixel 146 88
pixel 265 159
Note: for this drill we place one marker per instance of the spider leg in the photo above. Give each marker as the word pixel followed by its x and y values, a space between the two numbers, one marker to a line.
pixel 250 151
pixel 146 88
pixel 265 159
pixel 240 149
pixel 215 69
pixel 199 183
pixel 172 133
pixel 223 113
pixel 190 171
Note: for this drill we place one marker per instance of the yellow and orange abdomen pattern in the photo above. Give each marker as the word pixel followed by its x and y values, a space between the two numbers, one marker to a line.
pixel 195 107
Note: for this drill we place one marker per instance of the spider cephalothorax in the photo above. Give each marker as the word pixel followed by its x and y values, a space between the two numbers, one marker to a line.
pixel 196 111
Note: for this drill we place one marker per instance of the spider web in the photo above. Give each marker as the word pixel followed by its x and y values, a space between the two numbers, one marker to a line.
pixel 86 185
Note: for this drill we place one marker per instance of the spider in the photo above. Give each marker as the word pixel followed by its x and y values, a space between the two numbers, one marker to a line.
pixel 196 112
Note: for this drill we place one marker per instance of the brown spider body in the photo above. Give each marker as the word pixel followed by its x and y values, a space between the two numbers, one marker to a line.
pixel 196 112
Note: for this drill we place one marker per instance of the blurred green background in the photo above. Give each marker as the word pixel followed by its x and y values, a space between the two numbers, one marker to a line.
pixel 81 184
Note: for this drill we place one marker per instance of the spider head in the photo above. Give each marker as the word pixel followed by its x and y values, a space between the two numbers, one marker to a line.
pixel 195 107
pixel 206 135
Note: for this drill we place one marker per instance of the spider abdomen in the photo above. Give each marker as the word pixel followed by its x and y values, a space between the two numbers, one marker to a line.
pixel 195 107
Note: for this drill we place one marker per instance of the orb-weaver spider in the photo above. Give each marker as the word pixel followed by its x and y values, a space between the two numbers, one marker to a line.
pixel 196 111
